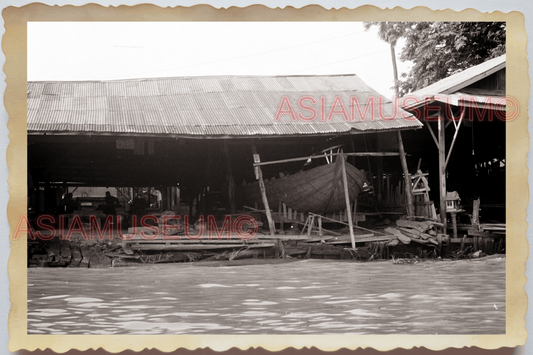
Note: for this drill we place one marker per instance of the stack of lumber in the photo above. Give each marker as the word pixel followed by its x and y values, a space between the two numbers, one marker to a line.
pixel 423 232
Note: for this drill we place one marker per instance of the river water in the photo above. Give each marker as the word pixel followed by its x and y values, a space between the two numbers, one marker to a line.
pixel 300 297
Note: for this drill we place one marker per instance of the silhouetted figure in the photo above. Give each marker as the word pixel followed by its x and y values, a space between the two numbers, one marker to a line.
pixel 66 205
pixel 110 203
pixel 138 209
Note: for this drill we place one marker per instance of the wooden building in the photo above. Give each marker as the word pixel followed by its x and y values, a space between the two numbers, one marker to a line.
pixel 465 117
pixel 195 135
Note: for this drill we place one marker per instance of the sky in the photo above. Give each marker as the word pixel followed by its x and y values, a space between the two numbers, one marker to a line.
pixel 69 51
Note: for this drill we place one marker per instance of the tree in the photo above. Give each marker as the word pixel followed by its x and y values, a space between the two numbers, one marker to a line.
pixel 390 32
pixel 441 49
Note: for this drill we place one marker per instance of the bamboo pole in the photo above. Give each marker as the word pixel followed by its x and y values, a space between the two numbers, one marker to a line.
pixel 271 225
pixel 406 177
pixel 347 197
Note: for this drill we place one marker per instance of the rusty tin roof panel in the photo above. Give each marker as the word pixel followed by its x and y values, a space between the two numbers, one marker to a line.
pixel 224 105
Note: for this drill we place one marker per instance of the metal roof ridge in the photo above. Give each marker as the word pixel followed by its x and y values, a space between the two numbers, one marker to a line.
pixel 190 77
pixel 483 69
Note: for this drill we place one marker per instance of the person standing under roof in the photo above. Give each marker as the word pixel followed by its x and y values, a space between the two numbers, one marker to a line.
pixel 110 203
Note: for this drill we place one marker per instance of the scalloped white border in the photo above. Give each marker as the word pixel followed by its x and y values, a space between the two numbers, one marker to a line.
pixel 458 5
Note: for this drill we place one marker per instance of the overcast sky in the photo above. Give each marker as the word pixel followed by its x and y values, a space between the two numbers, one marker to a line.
pixel 126 50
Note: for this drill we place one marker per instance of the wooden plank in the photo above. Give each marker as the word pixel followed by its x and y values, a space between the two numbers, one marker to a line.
pixel 290 250
pixel 281 237
pixel 402 237
pixel 459 240
pixel 484 234
pixel 379 238
pixel 185 240
pixel 198 246
pixel 411 233
pixel 420 226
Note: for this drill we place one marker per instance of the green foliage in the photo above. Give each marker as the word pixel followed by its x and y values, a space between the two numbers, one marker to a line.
pixel 441 49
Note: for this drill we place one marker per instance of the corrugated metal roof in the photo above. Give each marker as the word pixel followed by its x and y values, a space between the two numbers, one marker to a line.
pixel 214 106
pixel 461 80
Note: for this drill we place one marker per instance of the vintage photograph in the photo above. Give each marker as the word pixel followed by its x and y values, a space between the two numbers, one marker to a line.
pixel 226 178
pixel 230 178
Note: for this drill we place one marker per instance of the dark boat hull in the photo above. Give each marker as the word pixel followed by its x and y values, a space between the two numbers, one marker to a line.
pixel 319 190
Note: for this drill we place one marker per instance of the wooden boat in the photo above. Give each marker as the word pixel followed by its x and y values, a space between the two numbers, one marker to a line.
pixel 319 190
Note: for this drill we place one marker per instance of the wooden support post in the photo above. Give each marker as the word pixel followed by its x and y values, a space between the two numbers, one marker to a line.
pixel 355 211
pixel 230 180
pixel 320 232
pixel 454 223
pixel 406 177
pixel 347 197
pixel 475 215
pixel 311 225
pixel 379 174
pixel 442 169
pixel 177 209
pixel 271 225
pixel 168 197
pixel 280 215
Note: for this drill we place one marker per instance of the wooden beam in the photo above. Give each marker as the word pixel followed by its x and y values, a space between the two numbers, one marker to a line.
pixel 442 169
pixel 271 225
pixel 359 154
pixel 347 197
pixel 432 134
pixel 455 135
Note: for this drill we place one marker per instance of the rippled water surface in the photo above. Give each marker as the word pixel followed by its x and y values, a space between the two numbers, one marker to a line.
pixel 301 297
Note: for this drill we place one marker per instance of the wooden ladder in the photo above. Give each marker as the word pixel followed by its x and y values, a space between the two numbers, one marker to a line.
pixel 421 187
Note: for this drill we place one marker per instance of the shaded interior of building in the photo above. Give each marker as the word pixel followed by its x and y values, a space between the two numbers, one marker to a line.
pixel 193 175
